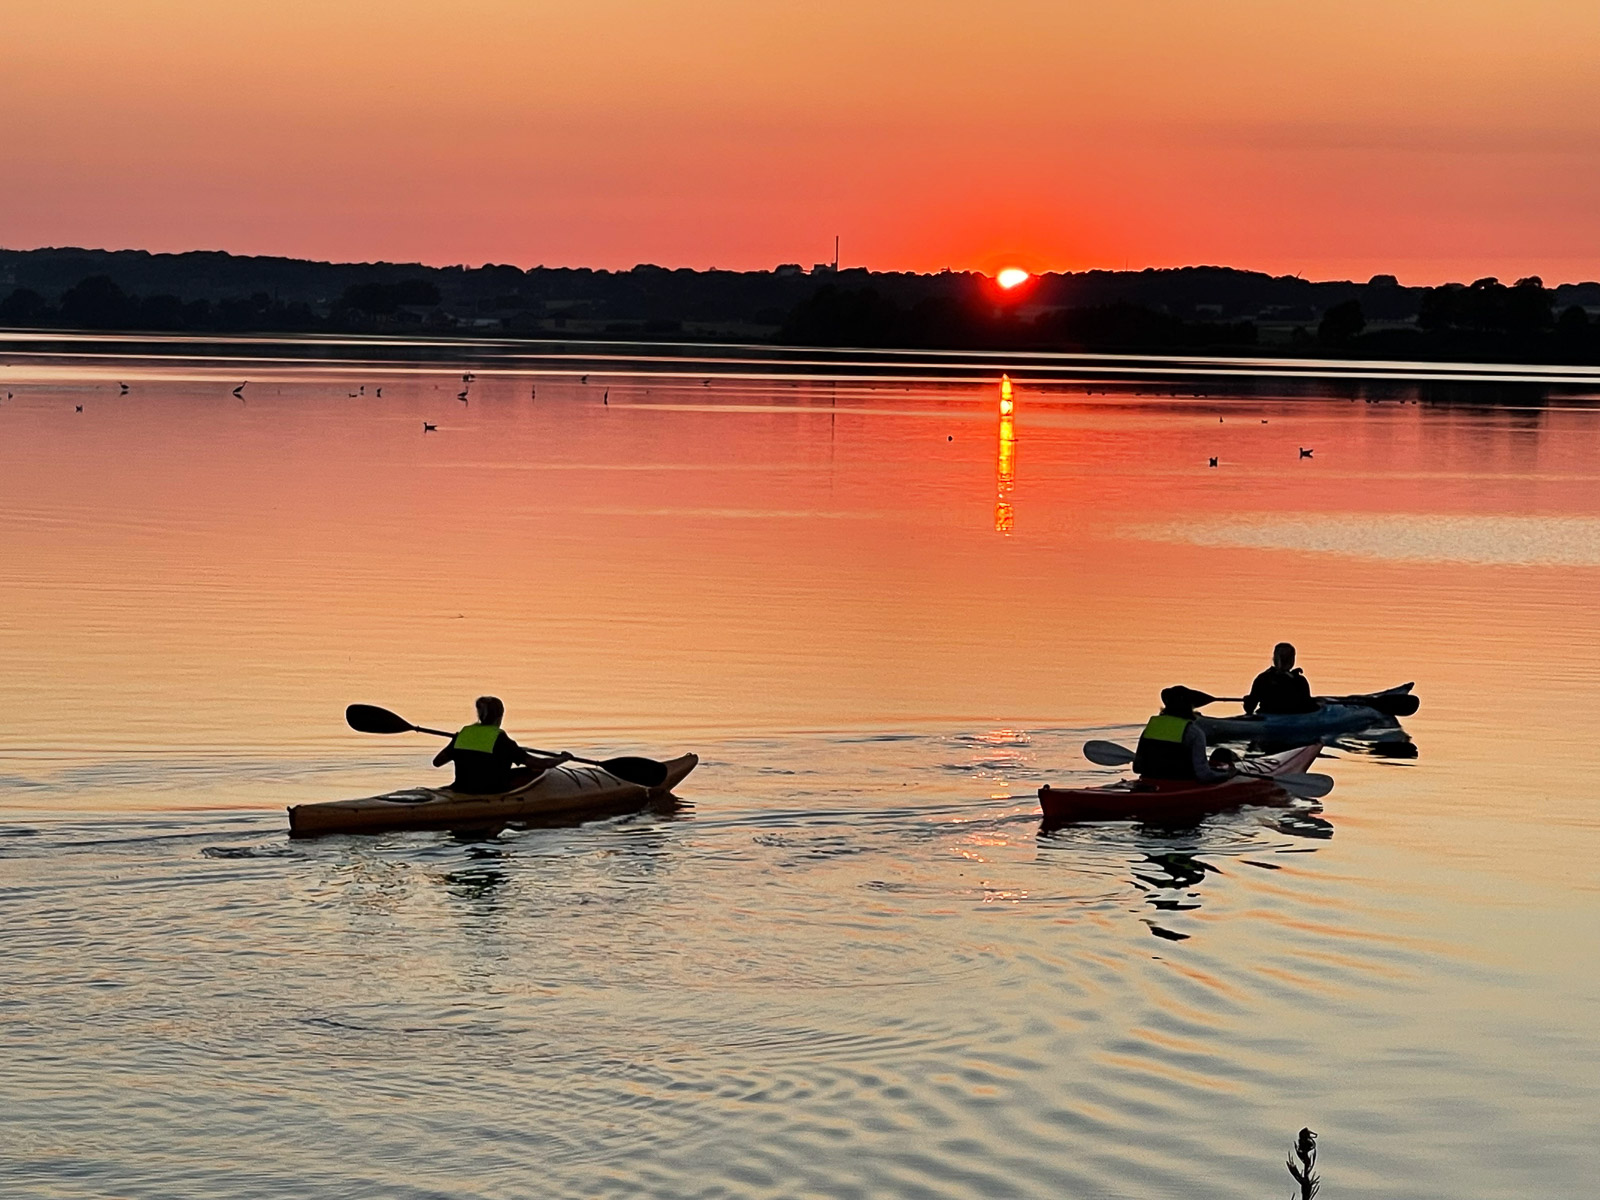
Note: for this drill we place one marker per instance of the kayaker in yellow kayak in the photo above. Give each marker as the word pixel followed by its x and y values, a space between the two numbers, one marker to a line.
pixel 1173 746
pixel 1281 689
pixel 487 759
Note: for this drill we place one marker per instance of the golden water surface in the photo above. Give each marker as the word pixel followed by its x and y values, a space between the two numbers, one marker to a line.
pixel 852 964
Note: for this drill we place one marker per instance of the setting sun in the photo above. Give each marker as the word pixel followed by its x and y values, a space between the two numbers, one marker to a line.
pixel 1011 277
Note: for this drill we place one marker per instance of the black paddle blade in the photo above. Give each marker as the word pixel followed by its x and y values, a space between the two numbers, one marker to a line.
pixel 646 772
pixel 369 718
pixel 1394 706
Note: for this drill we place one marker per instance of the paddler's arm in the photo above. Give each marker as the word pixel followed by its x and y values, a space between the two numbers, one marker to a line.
pixel 1194 740
pixel 537 761
pixel 1252 697
pixel 446 755
pixel 1302 691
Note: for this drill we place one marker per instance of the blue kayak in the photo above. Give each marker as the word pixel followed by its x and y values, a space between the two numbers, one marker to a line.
pixel 1333 716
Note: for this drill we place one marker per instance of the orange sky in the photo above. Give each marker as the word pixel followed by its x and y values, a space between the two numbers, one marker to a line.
pixel 1437 140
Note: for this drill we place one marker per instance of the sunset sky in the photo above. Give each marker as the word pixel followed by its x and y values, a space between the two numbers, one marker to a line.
pixel 1435 140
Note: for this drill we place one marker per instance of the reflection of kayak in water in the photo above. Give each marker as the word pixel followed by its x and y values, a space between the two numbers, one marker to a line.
pixel 1344 714
pixel 1139 799
pixel 570 790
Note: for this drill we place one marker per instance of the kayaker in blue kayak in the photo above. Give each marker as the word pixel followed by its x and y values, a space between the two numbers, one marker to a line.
pixel 1282 689
pixel 1173 746
pixel 486 758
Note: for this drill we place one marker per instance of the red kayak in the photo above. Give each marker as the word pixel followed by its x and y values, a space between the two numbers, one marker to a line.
pixel 1130 799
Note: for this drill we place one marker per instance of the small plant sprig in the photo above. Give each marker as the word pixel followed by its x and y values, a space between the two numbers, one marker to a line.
pixel 1305 1149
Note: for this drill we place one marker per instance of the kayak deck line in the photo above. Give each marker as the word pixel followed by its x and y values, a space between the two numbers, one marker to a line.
pixel 568 790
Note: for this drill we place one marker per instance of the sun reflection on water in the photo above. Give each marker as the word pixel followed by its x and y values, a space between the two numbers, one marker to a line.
pixel 1005 475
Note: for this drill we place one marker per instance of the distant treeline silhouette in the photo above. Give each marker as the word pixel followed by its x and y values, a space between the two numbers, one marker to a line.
pixel 1188 309
pixel 1484 320
pixel 837 316
pixel 99 303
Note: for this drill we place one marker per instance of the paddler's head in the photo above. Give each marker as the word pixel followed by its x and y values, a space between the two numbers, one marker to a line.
pixel 1283 656
pixel 1181 701
pixel 490 710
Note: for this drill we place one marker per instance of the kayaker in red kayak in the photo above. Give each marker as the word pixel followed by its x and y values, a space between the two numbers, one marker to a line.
pixel 1173 746
pixel 1282 689
pixel 487 759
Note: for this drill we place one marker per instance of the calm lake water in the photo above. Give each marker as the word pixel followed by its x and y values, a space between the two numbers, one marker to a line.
pixel 851 964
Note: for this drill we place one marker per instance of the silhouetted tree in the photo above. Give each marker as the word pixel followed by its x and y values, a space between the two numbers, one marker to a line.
pixel 1527 307
pixel 1488 306
pixel 1341 324
pixel 836 316
pixel 382 299
pixel 24 307
pixel 165 313
pixel 98 303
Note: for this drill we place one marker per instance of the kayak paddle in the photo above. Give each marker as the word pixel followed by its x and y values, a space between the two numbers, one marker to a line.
pixel 1396 702
pixel 1312 786
pixel 1393 703
pixel 1107 754
pixel 369 718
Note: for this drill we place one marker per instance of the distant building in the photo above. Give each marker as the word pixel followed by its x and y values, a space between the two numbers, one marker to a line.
pixel 824 269
pixel 784 270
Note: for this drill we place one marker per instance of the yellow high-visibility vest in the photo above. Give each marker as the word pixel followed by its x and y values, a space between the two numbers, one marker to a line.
pixel 478 737
pixel 1163 728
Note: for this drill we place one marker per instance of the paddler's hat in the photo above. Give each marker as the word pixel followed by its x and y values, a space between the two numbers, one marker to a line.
pixel 1183 699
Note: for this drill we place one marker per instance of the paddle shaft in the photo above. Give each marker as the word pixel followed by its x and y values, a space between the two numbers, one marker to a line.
pixel 369 718
pixel 593 762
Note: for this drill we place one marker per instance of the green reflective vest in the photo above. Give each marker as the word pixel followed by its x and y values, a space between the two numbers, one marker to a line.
pixel 1165 729
pixel 478 737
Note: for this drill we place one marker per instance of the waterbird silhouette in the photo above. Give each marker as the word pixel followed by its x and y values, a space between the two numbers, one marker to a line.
pixel 461 396
pixel 606 399
pixel 1304 453
pixel 1213 461
pixel 379 393
pixel 1305 1149
pixel 80 408
pixel 427 428
pixel 239 391
pixel 124 388
pixel 363 389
